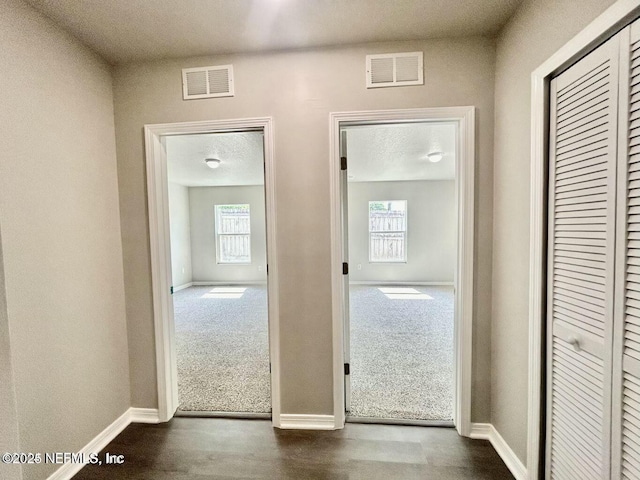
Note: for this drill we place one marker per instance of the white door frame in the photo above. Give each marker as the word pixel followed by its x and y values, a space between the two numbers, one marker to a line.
pixel 465 176
pixel 613 19
pixel 157 194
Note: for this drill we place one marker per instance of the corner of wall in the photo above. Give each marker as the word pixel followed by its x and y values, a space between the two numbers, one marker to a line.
pixel 547 24
pixel 486 431
pixel 9 429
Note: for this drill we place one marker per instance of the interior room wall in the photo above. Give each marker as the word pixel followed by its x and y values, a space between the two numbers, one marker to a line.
pixel 9 440
pixel 538 29
pixel 61 238
pixel 203 236
pixel 431 231
pixel 299 89
pixel 180 231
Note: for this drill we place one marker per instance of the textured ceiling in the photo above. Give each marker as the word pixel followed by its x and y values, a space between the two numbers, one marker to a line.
pixel 379 153
pixel 241 156
pixel 136 30
pixel 376 153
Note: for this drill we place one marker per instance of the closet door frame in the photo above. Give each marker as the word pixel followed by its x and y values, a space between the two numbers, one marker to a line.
pixel 628 36
pixel 603 27
pixel 609 50
pixel 621 250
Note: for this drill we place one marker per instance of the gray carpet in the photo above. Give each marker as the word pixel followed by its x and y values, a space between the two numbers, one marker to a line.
pixel 222 346
pixel 402 353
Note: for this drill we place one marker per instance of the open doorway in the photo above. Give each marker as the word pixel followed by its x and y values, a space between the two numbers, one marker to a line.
pixel 464 120
pixel 244 222
pixel 217 222
pixel 400 236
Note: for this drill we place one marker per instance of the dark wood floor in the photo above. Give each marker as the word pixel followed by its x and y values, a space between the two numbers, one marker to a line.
pixel 208 448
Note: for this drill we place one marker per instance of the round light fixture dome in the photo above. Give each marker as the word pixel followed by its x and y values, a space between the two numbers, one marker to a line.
pixel 212 162
pixel 435 157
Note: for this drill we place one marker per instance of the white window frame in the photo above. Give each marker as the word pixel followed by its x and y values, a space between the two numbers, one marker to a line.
pixel 219 235
pixel 405 232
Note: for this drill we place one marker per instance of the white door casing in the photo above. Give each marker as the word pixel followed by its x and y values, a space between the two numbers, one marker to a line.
pixel 464 117
pixel 344 194
pixel 625 449
pixel 157 193
pixel 612 20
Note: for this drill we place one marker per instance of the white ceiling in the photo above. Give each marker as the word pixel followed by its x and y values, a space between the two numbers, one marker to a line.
pixel 376 153
pixel 136 30
pixel 241 156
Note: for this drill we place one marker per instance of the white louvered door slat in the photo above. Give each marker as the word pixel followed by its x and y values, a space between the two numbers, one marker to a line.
pixel 625 450
pixel 581 255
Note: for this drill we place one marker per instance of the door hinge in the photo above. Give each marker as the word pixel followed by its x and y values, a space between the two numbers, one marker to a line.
pixel 345 268
pixel 267 269
pixel 269 367
pixel 343 163
pixel 347 369
pixel 171 289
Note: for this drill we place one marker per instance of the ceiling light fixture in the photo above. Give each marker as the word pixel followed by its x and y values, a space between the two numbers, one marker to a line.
pixel 212 162
pixel 435 157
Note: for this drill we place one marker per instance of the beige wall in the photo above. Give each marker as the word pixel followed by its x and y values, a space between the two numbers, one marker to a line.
pixel 61 237
pixel 539 28
pixel 65 375
pixel 9 439
pixel 431 231
pixel 203 236
pixel 299 89
pixel 180 229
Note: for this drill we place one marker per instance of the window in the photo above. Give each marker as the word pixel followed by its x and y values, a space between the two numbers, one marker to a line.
pixel 233 234
pixel 388 231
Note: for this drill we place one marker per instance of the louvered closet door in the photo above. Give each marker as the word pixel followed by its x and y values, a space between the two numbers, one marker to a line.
pixel 626 399
pixel 582 190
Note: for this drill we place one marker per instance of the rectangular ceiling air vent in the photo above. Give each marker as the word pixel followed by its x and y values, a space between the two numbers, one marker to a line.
pixel 207 82
pixel 395 69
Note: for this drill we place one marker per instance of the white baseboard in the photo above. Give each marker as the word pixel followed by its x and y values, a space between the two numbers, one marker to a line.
pixel 132 415
pixel 182 287
pixel 480 431
pixel 230 283
pixel 307 422
pixel 68 470
pixel 144 415
pixel 486 431
pixel 381 282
